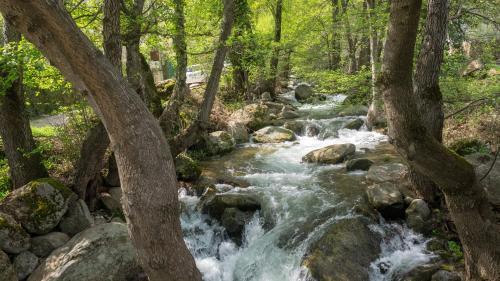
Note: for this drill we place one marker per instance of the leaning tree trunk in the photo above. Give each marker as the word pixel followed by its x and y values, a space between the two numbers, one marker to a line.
pixel 278 14
pixel 94 147
pixel 189 136
pixel 25 162
pixel 145 164
pixel 466 199
pixel 170 116
pixel 426 86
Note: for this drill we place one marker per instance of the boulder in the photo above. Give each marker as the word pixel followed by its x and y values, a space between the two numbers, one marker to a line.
pixel 112 199
pixel 491 183
pixel 358 164
pixel 100 253
pixel 186 168
pixel 253 116
pixel 303 91
pixel 332 154
pixel 219 142
pixel 296 126
pixel 216 204
pixel 43 245
pixel 238 131
pixel 266 96
pixel 344 252
pixel 386 172
pixel 443 275
pixel 355 124
pixel 353 110
pixel 417 215
pixel 8 273
pixel 24 264
pixel 13 238
pixel 273 134
pixel 312 131
pixel 421 273
pixel 76 219
pixel 39 205
pixel 387 199
pixel 234 221
pixel 289 114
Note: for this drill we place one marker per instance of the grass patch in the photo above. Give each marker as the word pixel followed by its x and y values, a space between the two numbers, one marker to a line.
pixel 44 132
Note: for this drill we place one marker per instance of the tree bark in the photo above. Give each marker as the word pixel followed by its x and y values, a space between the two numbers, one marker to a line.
pixel 190 135
pixel 274 75
pixel 466 199
pixel 335 44
pixel 25 162
pixel 144 160
pixel 170 116
pixel 352 42
pixel 426 87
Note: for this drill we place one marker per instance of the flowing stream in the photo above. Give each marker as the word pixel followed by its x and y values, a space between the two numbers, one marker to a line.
pixel 299 201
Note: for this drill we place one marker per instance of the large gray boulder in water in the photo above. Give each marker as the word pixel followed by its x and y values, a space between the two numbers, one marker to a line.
pixel 332 154
pixel 344 252
pixel 303 91
pixel 273 134
pixel 100 253
pixel 387 199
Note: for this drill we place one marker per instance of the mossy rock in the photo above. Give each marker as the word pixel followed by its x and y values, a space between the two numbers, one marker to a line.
pixel 273 134
pixel 186 168
pixel 39 205
pixel 468 146
pixel 218 143
pixel 13 238
pixel 165 88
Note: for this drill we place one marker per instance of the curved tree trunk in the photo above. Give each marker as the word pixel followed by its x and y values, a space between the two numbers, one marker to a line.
pixel 426 86
pixel 24 161
pixel 466 199
pixel 145 164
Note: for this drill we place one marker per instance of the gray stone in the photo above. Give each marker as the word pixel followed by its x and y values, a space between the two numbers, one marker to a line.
pixel 387 199
pixel 239 132
pixel 303 91
pixel 100 253
pixel 39 205
pixel 273 134
pixel 43 245
pixel 234 220
pixel 77 219
pixel 312 131
pixel 186 168
pixel 112 199
pixel 355 124
pixel 266 96
pixel 219 142
pixel 443 275
pixel 288 114
pixel 24 264
pixel 295 126
pixel 332 154
pixel 379 173
pixel 253 116
pixel 353 110
pixel 216 204
pixel 358 164
pixel 13 238
pixel 421 273
pixel 8 273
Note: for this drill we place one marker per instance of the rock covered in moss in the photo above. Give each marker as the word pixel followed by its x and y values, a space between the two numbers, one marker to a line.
pixel 216 204
pixel 39 205
pixel 13 238
pixel 353 110
pixel 273 134
pixel 296 126
pixel 24 264
pixel 332 154
pixel 186 168
pixel 219 142
pixel 7 271
pixel 354 124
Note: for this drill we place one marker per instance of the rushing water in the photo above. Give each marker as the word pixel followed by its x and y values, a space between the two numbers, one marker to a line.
pixel 298 203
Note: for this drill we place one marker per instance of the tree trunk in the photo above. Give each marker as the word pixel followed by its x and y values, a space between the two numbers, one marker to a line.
pixel 376 114
pixel 335 44
pixel 278 14
pixel 170 116
pixel 426 86
pixel 189 136
pixel 364 51
pixel 144 160
pixel 94 147
pixel 352 42
pixel 466 199
pixel 24 160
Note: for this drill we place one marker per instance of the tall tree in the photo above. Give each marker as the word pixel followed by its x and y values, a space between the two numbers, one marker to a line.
pixel 274 75
pixel 144 160
pixel 335 44
pixel 352 41
pixel 24 160
pixel 465 197
pixel 426 86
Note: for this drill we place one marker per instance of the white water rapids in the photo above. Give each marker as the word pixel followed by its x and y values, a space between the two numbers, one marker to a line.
pixel 293 196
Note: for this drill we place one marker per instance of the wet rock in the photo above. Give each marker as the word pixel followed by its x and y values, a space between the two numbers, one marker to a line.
pixel 443 275
pixel 295 126
pixel 8 273
pixel 355 124
pixel 353 110
pixel 239 132
pixel 103 252
pixel 386 172
pixel 43 245
pixel 112 199
pixel 39 205
pixel 417 215
pixel 234 220
pixel 358 164
pixel 76 219
pixel 303 91
pixel 253 116
pixel 387 199
pixel 312 131
pixel 421 273
pixel 332 154
pixel 215 205
pixel 13 238
pixel 24 264
pixel 273 134
pixel 344 252
pixel 266 96
pixel 219 142
pixel 186 168
pixel 288 114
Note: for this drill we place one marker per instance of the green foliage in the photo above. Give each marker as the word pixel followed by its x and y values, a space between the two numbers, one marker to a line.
pixel 44 132
pixel 468 146
pixel 5 182
pixel 10 61
pixel 455 249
